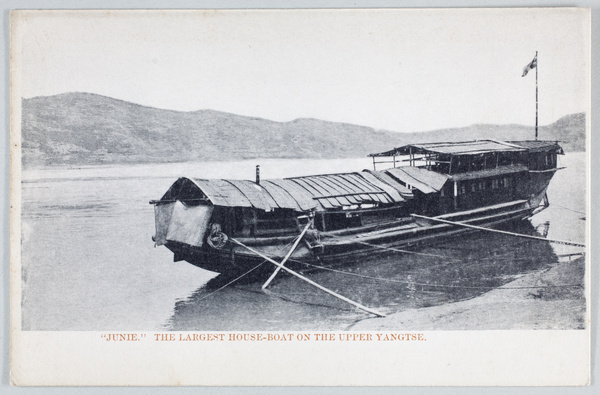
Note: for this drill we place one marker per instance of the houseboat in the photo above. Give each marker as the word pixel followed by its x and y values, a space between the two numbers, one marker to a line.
pixel 419 193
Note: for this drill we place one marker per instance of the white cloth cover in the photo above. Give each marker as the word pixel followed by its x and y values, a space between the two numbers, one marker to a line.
pixel 188 224
pixel 162 219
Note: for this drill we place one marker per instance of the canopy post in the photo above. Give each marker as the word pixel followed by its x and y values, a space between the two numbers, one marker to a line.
pixel 455 195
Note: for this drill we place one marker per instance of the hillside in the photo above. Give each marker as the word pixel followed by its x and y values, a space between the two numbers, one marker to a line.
pixel 87 129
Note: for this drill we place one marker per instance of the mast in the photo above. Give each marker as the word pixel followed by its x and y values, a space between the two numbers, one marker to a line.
pixel 530 66
pixel 536 95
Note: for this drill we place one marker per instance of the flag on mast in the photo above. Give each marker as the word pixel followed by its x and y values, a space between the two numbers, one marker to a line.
pixel 532 65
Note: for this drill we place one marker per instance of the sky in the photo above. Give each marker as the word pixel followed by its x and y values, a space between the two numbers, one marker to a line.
pixel 399 70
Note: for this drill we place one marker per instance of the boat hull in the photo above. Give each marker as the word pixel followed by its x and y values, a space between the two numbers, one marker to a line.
pixel 231 226
pixel 333 249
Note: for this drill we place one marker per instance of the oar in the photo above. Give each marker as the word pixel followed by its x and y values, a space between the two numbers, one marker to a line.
pixel 266 284
pixel 322 288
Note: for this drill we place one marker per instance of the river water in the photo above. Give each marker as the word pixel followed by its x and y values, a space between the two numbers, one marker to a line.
pixel 89 262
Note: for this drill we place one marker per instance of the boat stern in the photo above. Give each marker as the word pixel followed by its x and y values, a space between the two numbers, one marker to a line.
pixel 174 221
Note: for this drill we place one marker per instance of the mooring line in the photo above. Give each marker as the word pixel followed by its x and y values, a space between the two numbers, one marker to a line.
pixel 286 297
pixel 445 221
pixel 567 208
pixel 232 281
pixel 434 285
pixel 401 250
pixel 288 255
pixel 314 284
pixel 289 299
pixel 447 257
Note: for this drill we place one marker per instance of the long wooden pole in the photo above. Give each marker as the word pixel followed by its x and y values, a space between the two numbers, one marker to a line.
pixel 266 284
pixel 536 94
pixel 568 243
pixel 322 288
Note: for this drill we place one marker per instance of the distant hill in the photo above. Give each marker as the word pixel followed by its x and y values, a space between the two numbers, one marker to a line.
pixel 88 129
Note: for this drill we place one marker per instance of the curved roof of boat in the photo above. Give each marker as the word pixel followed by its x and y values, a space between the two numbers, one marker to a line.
pixel 475 147
pixel 321 192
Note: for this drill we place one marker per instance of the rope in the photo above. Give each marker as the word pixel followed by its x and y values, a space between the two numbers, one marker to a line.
pixel 570 255
pixel 499 231
pixel 443 256
pixel 400 250
pixel 399 281
pixel 231 282
pixel 566 208
pixel 288 299
pixel 432 285
pixel 309 281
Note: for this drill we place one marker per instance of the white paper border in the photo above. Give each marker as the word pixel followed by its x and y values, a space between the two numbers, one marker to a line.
pixel 75 336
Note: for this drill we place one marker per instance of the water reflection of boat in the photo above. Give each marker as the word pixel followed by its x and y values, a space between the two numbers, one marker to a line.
pixel 448 270
pixel 221 225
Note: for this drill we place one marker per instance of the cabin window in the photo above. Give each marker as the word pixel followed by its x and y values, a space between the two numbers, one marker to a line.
pixel 540 161
pixel 462 165
pixel 275 220
pixel 481 185
pixel 494 184
pixel 342 220
pixel 505 159
pixel 489 161
pixel 246 223
pixel 477 163
pixel 462 189
pixel 380 215
pixel 473 187
pixel 249 222
pixel 441 167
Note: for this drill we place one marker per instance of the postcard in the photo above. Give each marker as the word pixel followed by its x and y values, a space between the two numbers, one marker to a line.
pixel 323 197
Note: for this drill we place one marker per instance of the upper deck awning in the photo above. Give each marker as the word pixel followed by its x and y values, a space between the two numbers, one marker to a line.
pixel 455 148
pixel 476 147
pixel 539 146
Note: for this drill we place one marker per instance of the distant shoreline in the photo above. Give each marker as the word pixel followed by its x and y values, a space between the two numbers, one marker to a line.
pixel 87 129
pixel 64 166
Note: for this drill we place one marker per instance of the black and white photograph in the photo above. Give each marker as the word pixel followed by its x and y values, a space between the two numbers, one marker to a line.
pixel 343 173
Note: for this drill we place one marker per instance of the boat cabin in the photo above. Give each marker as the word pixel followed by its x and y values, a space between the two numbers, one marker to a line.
pixel 440 178
pixel 279 207
pixel 477 173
